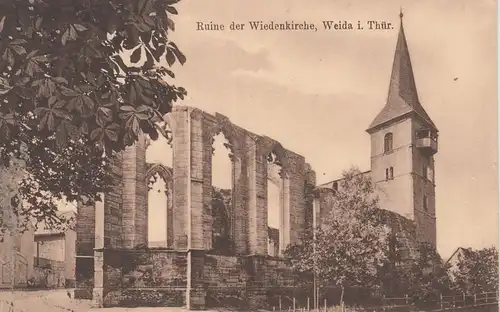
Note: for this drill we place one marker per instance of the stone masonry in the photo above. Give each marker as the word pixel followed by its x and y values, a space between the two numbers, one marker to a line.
pixel 109 235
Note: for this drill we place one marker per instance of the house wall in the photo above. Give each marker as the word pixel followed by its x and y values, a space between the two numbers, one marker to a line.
pixel 16 249
pixel 51 247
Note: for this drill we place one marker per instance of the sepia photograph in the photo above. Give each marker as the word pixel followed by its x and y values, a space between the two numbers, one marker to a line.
pixel 227 155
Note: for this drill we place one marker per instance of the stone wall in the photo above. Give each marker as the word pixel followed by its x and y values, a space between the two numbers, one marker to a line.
pixel 159 277
pixel 153 277
pixel 249 282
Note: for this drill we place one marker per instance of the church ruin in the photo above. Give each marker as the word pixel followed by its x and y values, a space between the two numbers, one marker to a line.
pixel 113 263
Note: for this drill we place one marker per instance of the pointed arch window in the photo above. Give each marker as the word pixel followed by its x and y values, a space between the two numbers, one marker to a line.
pixel 387 173
pixel 388 142
pixel 391 173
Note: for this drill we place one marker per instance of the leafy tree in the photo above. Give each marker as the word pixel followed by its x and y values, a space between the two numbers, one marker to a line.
pixel 429 277
pixel 348 248
pixel 477 271
pixel 79 78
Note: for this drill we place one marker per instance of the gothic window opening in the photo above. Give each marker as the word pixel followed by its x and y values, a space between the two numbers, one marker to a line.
pixel 159 159
pixel 426 203
pixel 391 173
pixel 222 194
pixel 157 210
pixel 388 143
pixel 387 173
pixel 275 205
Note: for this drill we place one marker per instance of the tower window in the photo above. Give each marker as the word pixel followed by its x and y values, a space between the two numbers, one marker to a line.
pixel 428 173
pixel 387 173
pixel 388 142
pixel 426 204
pixel 391 173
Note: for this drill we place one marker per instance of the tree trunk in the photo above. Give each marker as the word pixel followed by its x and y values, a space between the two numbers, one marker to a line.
pixel 342 295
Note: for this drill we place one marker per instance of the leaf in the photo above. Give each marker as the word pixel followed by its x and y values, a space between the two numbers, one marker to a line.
pixel 9 57
pixel 161 130
pixel 17 42
pixel 69 92
pixel 133 124
pixel 112 132
pixel 180 56
pixel 158 52
pixel 170 24
pixel 48 121
pixel 170 57
pixel 31 54
pixel 38 22
pixel 149 61
pixel 22 82
pixel 60 80
pixel 127 108
pixel 72 33
pixel 84 128
pixel 61 136
pixel 65 37
pixel 2 22
pixel 80 27
pixel 52 100
pixel 40 58
pixel 18 49
pixel 97 132
pixel 172 10
pixel 88 102
pixel 142 27
pixel 142 116
pixel 136 55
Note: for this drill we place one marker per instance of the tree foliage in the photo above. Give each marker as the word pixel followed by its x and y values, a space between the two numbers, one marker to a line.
pixel 78 78
pixel 477 271
pixel 348 247
pixel 428 277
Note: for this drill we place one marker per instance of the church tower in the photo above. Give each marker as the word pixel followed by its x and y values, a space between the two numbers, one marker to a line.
pixel 403 144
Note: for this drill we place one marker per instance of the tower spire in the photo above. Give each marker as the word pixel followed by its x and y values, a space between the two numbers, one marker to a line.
pixel 402 97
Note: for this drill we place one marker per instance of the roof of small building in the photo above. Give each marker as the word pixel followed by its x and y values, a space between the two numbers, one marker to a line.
pixel 330 184
pixel 42 228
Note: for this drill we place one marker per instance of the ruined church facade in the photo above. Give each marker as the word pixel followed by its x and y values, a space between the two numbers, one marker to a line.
pixel 113 235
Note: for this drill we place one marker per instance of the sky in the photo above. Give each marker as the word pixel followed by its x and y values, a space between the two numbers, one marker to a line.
pixel 317 92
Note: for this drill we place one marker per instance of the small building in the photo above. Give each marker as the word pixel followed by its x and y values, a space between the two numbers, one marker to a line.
pixel 455 258
pixel 54 254
pixel 16 254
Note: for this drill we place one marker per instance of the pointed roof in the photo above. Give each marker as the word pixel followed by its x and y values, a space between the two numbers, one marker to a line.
pixel 402 99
